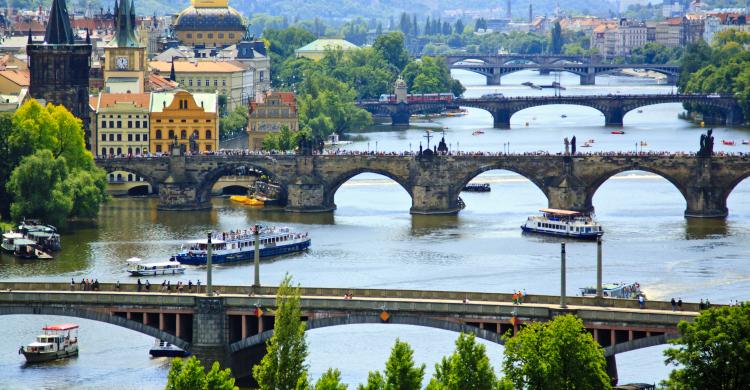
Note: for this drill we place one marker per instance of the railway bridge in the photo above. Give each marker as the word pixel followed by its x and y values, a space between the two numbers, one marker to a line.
pixel 309 183
pixel 613 107
pixel 232 328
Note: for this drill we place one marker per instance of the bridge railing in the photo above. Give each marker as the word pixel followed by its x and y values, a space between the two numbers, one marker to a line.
pixel 366 293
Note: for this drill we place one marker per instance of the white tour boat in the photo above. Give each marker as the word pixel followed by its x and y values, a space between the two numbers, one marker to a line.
pixel 138 268
pixel 57 342
pixel 565 223
pixel 9 239
pixel 614 290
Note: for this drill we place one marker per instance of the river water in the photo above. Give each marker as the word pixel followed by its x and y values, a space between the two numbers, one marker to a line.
pixel 371 240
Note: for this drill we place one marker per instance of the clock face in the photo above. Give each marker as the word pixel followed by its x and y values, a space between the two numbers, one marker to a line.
pixel 122 62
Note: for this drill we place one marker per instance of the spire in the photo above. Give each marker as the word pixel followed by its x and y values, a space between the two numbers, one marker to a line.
pixel 31 40
pixel 88 37
pixel 172 75
pixel 58 27
pixel 124 25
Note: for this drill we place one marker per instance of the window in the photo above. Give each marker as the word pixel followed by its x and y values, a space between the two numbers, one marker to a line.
pixel 188 35
pixel 145 124
pixel 158 121
pixel 208 147
pixel 223 83
pixel 137 153
pixel 210 35
pixel 137 138
pixel 208 134
pixel 199 35
pixel 104 124
pixel 111 124
pixel 216 83
pixel 183 134
pixel 130 152
pixel 190 82
pixel 104 137
pixel 119 124
pixel 145 137
pixel 112 137
pixel 119 152
pixel 221 35
pixel 195 121
pixel 137 124
pixel 119 137
pixel 158 148
pixel 104 151
pixel 158 134
pixel 171 134
pixel 261 75
pixel 111 151
pixel 195 134
pixel 231 35
pixel 130 137
pixel 199 84
pixel 208 82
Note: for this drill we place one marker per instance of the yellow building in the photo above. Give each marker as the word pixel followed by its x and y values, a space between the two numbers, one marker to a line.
pixel 230 79
pixel 211 23
pixel 191 119
pixel 316 49
pixel 268 114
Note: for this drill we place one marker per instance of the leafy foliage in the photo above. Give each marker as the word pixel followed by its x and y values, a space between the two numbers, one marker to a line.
pixel 330 380
pixel 190 375
pixel 283 367
pixel 233 123
pixel 559 354
pixel 713 352
pixel 467 369
pixel 430 75
pixel 284 140
pixel 401 373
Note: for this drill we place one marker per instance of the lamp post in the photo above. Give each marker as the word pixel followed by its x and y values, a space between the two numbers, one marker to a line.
pixel 562 276
pixel 599 267
pixel 256 255
pixel 209 281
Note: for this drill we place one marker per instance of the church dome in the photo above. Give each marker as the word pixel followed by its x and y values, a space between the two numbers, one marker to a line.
pixel 209 19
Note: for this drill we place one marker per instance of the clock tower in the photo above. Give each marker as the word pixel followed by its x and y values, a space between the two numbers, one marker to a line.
pixel 125 66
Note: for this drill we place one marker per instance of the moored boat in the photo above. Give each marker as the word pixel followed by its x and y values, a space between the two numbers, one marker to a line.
pixel 57 342
pixel 617 132
pixel 9 240
pixel 45 235
pixel 162 348
pixel 564 223
pixel 477 187
pixel 614 290
pixel 138 268
pixel 239 245
pixel 29 249
pixel 727 142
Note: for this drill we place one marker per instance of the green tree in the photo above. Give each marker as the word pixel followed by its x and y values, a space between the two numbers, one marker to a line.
pixel 190 375
pixel 713 351
pixel 458 28
pixel 330 380
pixel 559 354
pixel 39 190
pixel 283 367
pixel 467 369
pixel 89 190
pixel 234 123
pixel 391 47
pixel 401 373
pixel 556 39
pixel 8 160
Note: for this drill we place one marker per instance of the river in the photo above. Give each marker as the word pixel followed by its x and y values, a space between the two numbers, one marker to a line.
pixel 371 240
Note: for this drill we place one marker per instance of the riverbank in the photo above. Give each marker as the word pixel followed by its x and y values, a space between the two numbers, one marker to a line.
pixel 642 73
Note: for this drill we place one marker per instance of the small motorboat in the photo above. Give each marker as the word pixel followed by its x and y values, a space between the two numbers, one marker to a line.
pixel 9 239
pixel 591 141
pixel 563 116
pixel 640 111
pixel 617 132
pixel 138 268
pixel 57 342
pixel 727 142
pixel 478 187
pixel 746 141
pixel 247 200
pixel 478 132
pixel 586 145
pixel 162 348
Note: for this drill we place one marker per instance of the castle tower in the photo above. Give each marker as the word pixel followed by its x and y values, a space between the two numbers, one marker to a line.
pixel 59 67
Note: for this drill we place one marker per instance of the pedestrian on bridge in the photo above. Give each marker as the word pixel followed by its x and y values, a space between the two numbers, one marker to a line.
pixel 679 304
pixel 190 286
pixel 72 284
pixel 148 286
pixel 674 304
pixel 139 285
pixel 641 301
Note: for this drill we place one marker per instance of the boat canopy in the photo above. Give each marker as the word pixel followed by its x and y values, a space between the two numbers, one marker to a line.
pixel 561 212
pixel 204 241
pixel 61 327
pixel 160 264
pixel 24 241
pixel 12 235
pixel 134 260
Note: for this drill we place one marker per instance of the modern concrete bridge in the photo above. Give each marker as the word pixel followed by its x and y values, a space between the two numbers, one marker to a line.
pixel 309 183
pixel 227 328
pixel 494 67
pixel 613 107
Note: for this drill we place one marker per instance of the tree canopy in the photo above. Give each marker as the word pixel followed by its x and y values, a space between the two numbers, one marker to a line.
pixel 401 373
pixel 190 375
pixel 283 367
pixel 559 354
pixel 713 351
pixel 468 368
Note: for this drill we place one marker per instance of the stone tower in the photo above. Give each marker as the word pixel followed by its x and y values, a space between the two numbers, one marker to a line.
pixel 59 66
pixel 125 58
pixel 400 90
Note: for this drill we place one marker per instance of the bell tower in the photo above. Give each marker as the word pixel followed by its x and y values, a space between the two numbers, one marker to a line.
pixel 59 66
pixel 125 64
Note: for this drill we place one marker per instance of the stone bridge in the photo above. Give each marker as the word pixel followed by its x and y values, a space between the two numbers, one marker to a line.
pixel 613 107
pixel 227 329
pixel 309 183
pixel 497 66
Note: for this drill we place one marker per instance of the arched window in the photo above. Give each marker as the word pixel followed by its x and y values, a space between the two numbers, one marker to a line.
pixel 158 134
pixel 183 134
pixel 119 177
pixel 171 134
pixel 119 151
pixel 137 152
pixel 130 177
pixel 208 134
pixel 111 151
pixel 104 151
pixel 130 151
pixel 195 134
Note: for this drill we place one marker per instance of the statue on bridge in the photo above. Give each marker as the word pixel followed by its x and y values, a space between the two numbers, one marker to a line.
pixel 442 146
pixel 567 146
pixel 707 144
pixel 573 146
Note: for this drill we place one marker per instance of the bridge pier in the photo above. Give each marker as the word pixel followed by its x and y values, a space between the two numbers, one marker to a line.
pixel 672 79
pixel 434 200
pixel 209 331
pixel 308 198
pixel 181 196
pixel 501 119
pixel 705 202
pixel 614 116
pixel 588 79
pixel 544 71
pixel 612 369
pixel 401 117
pixel 494 79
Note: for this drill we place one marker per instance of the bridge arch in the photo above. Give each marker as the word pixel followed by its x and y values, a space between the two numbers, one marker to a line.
pixel 261 338
pixel 333 186
pixel 734 183
pixel 210 178
pixel 96 316
pixel 110 168
pixel 593 187
pixel 501 166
